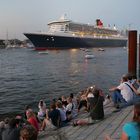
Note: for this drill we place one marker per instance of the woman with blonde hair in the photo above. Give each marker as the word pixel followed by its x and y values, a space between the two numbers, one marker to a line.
pixel 31 118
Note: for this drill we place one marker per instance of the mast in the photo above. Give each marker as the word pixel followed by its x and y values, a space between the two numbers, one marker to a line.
pixel 7 38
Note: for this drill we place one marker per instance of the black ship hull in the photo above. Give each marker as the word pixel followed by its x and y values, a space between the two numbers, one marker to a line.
pixel 46 41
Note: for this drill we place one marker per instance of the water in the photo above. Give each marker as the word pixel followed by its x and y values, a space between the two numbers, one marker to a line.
pixel 27 76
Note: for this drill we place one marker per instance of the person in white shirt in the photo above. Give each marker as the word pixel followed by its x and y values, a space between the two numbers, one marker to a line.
pixel 42 110
pixel 122 95
pixel 126 91
pixel 134 84
pixel 71 111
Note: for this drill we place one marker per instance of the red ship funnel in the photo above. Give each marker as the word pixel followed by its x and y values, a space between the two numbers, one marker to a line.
pixel 99 23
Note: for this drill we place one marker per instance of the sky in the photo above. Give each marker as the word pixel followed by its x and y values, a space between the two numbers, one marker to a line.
pixel 20 16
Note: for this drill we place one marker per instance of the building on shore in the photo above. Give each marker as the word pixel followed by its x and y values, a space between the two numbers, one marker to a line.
pixel 2 44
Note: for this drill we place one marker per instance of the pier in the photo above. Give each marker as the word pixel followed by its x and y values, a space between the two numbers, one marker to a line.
pixel 111 125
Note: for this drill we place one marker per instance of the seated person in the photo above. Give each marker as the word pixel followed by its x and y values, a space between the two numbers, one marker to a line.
pixel 25 110
pixel 53 118
pixel 62 112
pixel 11 132
pixel 136 86
pixel 90 96
pixel 28 133
pixel 97 110
pixel 42 110
pixel 2 128
pixel 131 130
pixel 64 101
pixel 71 111
pixel 31 118
pixel 74 100
pixel 122 95
pixel 83 101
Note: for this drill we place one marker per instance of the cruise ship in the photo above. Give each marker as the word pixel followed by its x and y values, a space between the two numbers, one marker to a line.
pixel 66 34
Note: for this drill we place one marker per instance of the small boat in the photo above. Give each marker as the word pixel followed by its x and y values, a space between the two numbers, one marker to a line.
pixel 124 48
pixel 89 56
pixel 101 49
pixel 43 52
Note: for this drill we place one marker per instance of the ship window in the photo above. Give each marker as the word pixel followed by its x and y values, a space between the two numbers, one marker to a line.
pixel 57 27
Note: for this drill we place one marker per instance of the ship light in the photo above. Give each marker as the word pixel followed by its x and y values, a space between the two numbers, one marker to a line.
pixel 73 50
pixel 73 34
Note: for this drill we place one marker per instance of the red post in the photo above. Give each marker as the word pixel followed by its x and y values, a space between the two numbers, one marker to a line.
pixel 139 57
pixel 132 52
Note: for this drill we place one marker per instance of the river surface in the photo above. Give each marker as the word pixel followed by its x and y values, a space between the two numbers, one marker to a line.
pixel 27 76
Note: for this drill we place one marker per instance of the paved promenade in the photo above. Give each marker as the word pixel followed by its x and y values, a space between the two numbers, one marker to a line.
pixel 111 125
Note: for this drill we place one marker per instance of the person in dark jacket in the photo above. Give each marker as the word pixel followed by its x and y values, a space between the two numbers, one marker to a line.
pixel 2 127
pixel 11 132
pixel 96 110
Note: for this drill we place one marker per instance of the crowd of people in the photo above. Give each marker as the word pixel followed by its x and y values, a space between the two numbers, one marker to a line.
pixel 65 109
